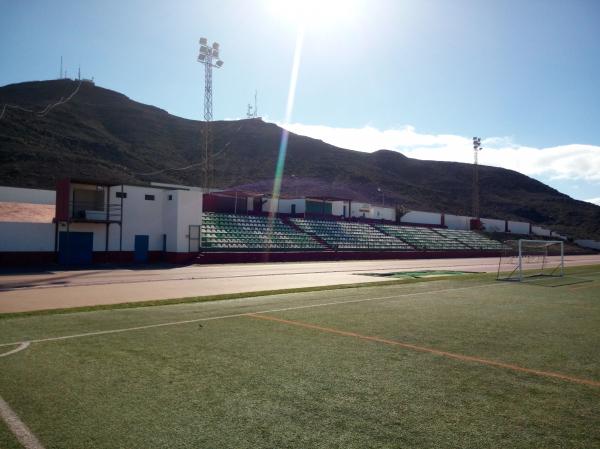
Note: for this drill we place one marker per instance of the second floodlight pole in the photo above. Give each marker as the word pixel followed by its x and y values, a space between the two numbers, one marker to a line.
pixel 476 149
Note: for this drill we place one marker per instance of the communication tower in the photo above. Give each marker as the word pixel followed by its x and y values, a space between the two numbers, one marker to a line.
pixel 253 112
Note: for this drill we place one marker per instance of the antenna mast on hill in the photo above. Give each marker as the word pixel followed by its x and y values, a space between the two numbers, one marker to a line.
pixel 476 149
pixel 253 113
pixel 209 57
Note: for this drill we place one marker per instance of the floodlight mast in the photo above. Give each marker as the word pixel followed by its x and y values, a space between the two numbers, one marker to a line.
pixel 209 57
pixel 476 149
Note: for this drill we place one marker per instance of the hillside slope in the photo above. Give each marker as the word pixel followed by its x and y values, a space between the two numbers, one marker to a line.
pixel 102 134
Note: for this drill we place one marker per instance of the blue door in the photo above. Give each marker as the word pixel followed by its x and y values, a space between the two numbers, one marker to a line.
pixel 141 248
pixel 75 248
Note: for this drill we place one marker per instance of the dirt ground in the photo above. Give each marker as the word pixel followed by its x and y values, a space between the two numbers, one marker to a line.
pixel 62 289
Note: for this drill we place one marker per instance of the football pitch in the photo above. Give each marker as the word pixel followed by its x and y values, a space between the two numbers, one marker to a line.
pixel 466 362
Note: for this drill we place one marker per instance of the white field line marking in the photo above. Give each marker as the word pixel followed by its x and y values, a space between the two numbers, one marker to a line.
pixel 22 346
pixel 24 436
pixel 235 315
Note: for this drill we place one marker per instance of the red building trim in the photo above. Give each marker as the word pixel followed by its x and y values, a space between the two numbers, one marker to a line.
pixel 63 187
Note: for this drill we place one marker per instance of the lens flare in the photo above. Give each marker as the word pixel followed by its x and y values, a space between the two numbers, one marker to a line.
pixel 284 133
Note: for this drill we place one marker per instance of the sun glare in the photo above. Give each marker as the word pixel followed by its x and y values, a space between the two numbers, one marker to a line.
pixel 314 13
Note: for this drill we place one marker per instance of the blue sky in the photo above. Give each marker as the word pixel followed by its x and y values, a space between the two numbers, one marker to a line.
pixel 419 76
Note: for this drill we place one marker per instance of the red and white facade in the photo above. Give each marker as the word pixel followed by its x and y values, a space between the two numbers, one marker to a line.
pixel 114 218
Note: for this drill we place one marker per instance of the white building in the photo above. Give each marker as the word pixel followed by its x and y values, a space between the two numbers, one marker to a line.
pixel 104 222
pixel 329 206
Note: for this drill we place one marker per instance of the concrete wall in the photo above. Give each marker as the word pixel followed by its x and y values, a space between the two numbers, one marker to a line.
pixel 33 196
pixel 171 213
pixel 588 244
pixel 360 209
pixel 285 205
pixel 538 230
pixel 189 212
pixel 26 236
pixel 432 218
pixel 98 229
pixel 337 208
pixel 384 213
pixel 459 222
pixel 493 225
pixel 368 210
pixel 518 227
pixel 142 217
pixel 556 235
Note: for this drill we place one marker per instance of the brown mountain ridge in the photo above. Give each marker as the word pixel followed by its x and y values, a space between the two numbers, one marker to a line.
pixel 102 134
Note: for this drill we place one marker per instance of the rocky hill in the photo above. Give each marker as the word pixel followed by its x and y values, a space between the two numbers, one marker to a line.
pixel 102 134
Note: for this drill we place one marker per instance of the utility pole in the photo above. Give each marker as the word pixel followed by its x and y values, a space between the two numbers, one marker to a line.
pixel 380 190
pixel 476 149
pixel 209 57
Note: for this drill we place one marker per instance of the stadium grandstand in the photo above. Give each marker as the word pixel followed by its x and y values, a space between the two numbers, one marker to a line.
pixel 343 235
pixel 233 232
pixel 85 222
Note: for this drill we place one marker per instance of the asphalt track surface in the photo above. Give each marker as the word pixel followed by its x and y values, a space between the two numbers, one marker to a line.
pixel 64 289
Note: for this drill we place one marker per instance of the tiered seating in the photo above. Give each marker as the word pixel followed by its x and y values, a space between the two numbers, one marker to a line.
pixel 472 239
pixel 229 232
pixel 348 236
pixel 423 238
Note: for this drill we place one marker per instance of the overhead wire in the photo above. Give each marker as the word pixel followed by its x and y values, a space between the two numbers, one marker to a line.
pixel 187 167
pixel 46 110
pixel 63 100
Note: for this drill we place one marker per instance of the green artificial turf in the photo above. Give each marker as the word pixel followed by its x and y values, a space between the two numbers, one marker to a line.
pixel 245 382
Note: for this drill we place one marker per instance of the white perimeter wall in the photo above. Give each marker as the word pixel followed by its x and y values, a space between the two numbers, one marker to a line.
pixel 459 222
pixel 337 208
pixel 518 227
pixel 266 207
pixel 99 231
pixel 493 225
pixel 33 196
pixel 26 236
pixel 538 230
pixel 285 206
pixel 188 205
pixel 357 212
pixel 415 216
pixel 385 213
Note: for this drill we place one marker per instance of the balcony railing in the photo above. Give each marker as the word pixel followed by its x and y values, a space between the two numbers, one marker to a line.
pixel 93 212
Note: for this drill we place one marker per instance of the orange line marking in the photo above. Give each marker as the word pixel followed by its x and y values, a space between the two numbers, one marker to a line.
pixel 464 358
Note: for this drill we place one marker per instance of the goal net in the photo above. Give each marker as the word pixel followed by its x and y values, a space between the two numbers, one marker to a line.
pixel 526 259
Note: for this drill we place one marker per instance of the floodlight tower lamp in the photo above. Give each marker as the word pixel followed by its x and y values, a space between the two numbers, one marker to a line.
pixel 209 56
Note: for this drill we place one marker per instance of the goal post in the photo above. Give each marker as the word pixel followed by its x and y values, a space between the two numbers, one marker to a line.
pixel 522 259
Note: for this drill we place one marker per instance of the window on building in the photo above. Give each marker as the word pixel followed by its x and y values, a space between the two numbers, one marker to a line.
pixel 149 197
pixel 121 194
pixel 170 197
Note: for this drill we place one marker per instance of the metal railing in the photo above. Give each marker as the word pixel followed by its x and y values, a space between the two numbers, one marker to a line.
pixel 92 211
